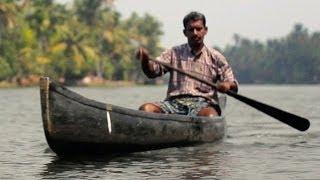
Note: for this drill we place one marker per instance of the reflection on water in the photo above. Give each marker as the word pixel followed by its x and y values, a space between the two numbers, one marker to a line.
pixel 183 163
pixel 256 146
pixel 58 167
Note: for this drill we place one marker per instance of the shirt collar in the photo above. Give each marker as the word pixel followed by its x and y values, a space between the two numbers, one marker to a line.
pixel 201 52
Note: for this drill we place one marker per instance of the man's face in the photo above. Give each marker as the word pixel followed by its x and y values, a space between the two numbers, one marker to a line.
pixel 195 32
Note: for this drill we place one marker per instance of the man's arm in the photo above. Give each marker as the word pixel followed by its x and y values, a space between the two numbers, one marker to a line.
pixel 227 79
pixel 225 86
pixel 147 66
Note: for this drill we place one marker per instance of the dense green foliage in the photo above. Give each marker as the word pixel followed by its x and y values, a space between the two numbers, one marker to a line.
pixel 88 37
pixel 292 59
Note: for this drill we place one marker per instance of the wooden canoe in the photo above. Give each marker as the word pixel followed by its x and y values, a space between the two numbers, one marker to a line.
pixel 74 124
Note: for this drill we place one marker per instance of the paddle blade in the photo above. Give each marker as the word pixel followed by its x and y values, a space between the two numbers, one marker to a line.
pixel 297 122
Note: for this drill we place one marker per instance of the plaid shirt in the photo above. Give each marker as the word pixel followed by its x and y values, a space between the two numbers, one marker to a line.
pixel 209 64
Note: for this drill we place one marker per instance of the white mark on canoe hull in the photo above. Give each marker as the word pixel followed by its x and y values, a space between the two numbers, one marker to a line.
pixel 109 122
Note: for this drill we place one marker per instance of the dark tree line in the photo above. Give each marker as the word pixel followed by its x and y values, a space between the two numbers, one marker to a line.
pixel 294 58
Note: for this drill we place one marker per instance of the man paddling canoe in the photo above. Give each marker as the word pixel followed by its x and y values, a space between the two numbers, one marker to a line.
pixel 186 95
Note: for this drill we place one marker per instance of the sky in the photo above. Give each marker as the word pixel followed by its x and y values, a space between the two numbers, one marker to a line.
pixel 252 19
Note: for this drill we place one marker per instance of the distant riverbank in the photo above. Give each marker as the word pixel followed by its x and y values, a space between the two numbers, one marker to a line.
pixel 89 81
pixel 4 84
pixel 94 81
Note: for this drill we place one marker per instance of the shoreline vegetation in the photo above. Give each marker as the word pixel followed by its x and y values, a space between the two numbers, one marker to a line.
pixel 88 81
pixel 74 45
pixel 94 81
pixel 45 38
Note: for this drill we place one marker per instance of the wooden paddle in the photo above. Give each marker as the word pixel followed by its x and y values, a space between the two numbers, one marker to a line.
pixel 297 122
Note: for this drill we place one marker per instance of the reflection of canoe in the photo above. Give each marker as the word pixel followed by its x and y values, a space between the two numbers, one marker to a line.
pixel 75 124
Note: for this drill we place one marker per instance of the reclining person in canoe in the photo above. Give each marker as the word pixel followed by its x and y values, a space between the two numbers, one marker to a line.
pixel 186 95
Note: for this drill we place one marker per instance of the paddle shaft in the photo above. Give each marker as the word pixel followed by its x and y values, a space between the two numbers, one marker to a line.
pixel 297 122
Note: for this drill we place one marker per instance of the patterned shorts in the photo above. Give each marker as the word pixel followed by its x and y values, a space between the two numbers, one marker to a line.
pixel 186 105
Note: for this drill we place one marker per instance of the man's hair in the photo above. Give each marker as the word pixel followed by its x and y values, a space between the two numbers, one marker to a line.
pixel 194 16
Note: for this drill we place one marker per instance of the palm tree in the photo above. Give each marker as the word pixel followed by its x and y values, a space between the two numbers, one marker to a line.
pixel 76 48
pixel 7 18
pixel 7 14
pixel 8 11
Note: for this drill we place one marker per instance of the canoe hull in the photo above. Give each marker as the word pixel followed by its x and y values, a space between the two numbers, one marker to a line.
pixel 75 124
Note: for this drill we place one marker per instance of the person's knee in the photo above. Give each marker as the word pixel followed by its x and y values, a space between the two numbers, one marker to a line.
pixel 208 112
pixel 149 107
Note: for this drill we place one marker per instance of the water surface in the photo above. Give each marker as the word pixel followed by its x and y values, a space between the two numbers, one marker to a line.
pixel 256 146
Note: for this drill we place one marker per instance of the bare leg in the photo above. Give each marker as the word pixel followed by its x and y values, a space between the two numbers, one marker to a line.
pixel 208 111
pixel 150 107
